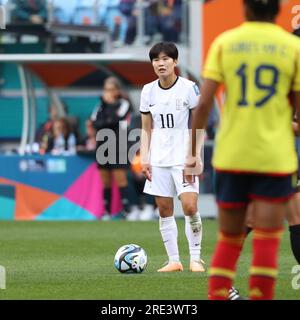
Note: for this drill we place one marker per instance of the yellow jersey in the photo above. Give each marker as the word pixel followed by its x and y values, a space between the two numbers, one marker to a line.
pixel 259 64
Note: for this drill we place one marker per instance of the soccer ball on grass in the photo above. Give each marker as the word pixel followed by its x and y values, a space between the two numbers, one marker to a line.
pixel 131 258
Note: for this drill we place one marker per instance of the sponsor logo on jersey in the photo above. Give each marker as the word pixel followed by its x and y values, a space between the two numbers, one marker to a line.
pixel 178 104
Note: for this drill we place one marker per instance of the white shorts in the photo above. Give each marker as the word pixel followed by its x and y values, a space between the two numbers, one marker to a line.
pixel 168 182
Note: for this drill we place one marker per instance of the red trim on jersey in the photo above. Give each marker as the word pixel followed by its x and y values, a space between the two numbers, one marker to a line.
pixel 232 205
pixel 255 173
pixel 269 199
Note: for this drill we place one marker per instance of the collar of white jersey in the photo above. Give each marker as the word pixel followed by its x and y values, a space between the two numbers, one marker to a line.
pixel 170 86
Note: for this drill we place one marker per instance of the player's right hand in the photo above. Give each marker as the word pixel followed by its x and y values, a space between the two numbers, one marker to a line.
pixel 147 172
pixel 193 168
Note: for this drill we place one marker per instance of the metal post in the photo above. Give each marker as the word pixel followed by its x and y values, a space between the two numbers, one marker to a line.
pixel 25 129
pixel 184 23
pixel 50 12
pixel 32 107
pixel 96 11
pixel 2 17
pixel 195 35
pixel 8 9
pixel 140 22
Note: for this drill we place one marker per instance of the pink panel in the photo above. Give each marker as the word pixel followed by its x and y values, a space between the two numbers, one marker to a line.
pixel 87 192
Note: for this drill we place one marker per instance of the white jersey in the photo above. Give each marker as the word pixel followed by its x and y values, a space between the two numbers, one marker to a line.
pixel 170 109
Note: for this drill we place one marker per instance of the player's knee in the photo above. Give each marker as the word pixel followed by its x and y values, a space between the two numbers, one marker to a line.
pixel 189 209
pixel 165 210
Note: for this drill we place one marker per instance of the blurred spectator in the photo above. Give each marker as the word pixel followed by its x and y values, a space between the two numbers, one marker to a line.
pixel 111 17
pixel 59 16
pixel 29 11
pixel 85 13
pixel 113 112
pixel 45 131
pixel 88 143
pixel 62 141
pixel 127 8
pixel 151 19
pixel 170 12
pixel 63 11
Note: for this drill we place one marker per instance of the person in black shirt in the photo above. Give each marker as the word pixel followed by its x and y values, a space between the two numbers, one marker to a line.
pixel 111 119
pixel 30 11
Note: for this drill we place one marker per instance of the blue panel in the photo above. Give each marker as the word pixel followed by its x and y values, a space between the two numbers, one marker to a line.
pixel 7 202
pixel 7 210
pixel 12 115
pixel 81 108
pixel 65 210
pixel 50 173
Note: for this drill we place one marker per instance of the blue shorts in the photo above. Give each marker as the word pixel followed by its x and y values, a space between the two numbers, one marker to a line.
pixel 236 190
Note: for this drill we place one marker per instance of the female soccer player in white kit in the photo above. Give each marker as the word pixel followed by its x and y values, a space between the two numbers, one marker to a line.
pixel 166 107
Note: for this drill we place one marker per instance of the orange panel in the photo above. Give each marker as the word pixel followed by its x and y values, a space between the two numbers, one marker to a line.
pixel 286 17
pixel 136 73
pixel 30 202
pixel 59 74
pixel 219 16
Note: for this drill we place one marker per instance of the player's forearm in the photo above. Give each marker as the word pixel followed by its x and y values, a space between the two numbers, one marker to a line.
pixel 296 105
pixel 200 137
pixel 145 145
pixel 295 128
pixel 201 114
pixel 200 120
pixel 199 143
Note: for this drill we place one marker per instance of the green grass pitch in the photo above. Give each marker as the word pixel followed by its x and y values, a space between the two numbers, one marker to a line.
pixel 74 260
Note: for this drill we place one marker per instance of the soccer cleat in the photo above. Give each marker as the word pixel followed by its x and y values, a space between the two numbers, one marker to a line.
pixel 147 213
pixel 171 267
pixel 233 294
pixel 197 266
pixel 119 216
pixel 106 217
pixel 134 214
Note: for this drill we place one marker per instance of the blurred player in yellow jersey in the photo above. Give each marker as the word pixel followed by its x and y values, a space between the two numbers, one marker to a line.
pixel 254 158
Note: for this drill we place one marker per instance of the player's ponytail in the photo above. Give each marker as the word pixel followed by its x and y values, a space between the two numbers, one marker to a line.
pixel 264 9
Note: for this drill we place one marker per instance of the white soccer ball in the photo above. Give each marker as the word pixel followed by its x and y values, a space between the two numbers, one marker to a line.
pixel 131 258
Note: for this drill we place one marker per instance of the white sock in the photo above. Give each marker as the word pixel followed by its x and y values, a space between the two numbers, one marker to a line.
pixel 193 231
pixel 169 233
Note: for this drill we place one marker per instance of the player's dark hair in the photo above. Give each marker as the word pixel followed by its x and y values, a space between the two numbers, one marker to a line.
pixel 264 9
pixel 168 48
